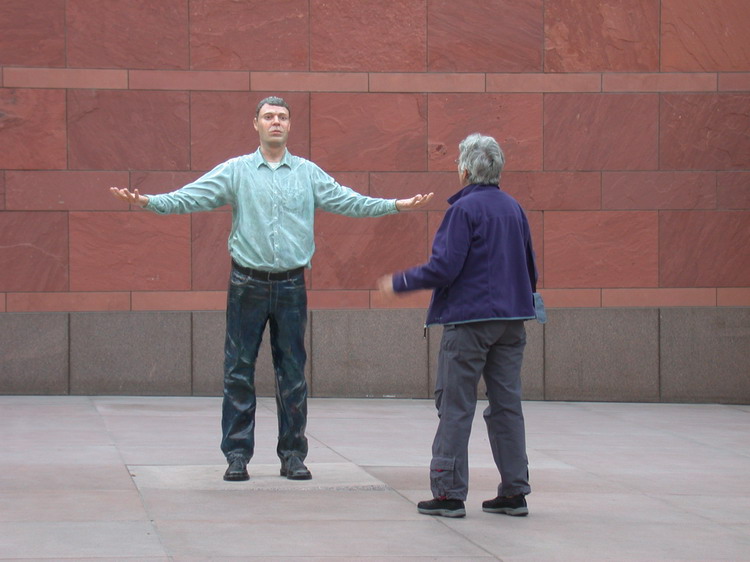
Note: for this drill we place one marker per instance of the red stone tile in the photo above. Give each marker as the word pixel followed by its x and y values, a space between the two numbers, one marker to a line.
pixel 659 190
pixel 222 126
pixel 578 131
pixel 601 35
pixel 733 190
pixel 230 35
pixel 733 297
pixel 659 82
pixel 657 298
pixel 3 307
pixel 2 190
pixel 704 132
pixel 155 183
pixel 426 82
pixel 358 181
pixel 309 81
pixel 572 298
pixel 32 33
pixel 487 36
pixel 536 224
pixel 368 35
pixel 63 191
pixel 180 300
pixel 209 253
pixel 65 78
pixel 188 80
pixel 734 81
pixel 414 299
pixel 67 302
pixel 528 82
pixel 34 251
pixel 704 248
pixel 554 191
pixel 601 249
pixel 376 132
pixel 514 120
pixel 320 300
pixel 126 130
pixel 129 251
pixel 353 253
pixel 704 35
pixel 33 127
pixel 139 34
pixel 402 185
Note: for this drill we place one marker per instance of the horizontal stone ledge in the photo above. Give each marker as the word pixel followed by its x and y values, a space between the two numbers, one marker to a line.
pixel 70 78
pixel 299 81
pixel 660 82
pixel 189 80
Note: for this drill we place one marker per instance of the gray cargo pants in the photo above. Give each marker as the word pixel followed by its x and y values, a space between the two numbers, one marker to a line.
pixel 493 349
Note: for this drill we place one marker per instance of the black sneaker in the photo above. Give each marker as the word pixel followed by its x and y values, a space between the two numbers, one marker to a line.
pixel 295 469
pixel 513 505
pixel 237 471
pixel 445 508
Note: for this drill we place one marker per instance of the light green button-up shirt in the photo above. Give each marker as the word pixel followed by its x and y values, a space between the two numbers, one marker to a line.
pixel 273 210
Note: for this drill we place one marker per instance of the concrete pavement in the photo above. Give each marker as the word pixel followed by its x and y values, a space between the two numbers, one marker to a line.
pixel 139 478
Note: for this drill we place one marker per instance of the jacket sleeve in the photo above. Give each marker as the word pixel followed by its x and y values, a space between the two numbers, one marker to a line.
pixel 449 251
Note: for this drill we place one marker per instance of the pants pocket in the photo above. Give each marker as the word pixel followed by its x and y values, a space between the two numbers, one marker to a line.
pixel 442 476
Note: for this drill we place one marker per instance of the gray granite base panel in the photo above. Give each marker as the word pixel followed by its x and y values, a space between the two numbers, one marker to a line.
pixel 136 353
pixel 705 355
pixel 34 353
pixel 640 355
pixel 369 353
pixel 602 355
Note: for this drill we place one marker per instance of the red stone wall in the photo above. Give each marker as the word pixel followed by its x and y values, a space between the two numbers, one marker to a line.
pixel 626 125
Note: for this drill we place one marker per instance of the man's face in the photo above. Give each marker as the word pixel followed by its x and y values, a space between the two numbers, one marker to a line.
pixel 272 124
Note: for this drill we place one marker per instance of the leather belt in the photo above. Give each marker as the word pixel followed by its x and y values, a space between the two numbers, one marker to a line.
pixel 268 275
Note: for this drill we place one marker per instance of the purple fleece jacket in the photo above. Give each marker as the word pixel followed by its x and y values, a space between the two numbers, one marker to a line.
pixel 482 263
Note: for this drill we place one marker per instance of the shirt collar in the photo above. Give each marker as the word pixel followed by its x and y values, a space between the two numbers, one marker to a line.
pixel 286 160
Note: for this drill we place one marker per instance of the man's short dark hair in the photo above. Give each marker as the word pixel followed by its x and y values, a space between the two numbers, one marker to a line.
pixel 272 100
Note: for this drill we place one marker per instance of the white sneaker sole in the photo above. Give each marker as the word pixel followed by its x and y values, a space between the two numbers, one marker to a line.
pixel 514 511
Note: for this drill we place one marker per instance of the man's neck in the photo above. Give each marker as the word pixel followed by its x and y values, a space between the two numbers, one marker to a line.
pixel 273 154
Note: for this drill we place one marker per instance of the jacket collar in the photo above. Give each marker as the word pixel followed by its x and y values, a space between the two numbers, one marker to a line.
pixel 472 187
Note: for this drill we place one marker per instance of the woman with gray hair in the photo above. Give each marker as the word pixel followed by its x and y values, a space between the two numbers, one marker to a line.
pixel 483 276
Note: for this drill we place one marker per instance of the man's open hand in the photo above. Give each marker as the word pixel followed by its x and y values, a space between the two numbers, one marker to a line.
pixel 415 202
pixel 131 197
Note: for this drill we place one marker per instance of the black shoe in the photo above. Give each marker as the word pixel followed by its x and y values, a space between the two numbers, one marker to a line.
pixel 295 469
pixel 446 508
pixel 237 471
pixel 513 505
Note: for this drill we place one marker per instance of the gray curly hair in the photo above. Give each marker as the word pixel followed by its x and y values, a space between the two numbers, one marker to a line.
pixel 482 157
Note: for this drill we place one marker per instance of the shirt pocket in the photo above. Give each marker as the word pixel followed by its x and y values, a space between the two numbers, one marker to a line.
pixel 295 193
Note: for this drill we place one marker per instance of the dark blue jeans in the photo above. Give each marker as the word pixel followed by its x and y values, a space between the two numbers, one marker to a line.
pixel 251 305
